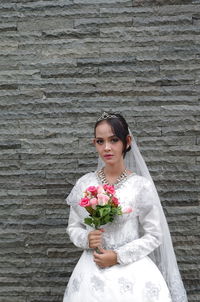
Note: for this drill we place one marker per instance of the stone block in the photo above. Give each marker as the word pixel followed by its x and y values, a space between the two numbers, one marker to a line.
pixel 180 109
pixel 69 72
pixel 126 11
pixel 103 22
pixel 72 33
pixel 104 2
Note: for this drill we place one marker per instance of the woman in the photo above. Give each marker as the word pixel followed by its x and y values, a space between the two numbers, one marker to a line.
pixel 136 262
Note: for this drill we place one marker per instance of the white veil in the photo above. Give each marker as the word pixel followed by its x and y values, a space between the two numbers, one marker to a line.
pixel 164 255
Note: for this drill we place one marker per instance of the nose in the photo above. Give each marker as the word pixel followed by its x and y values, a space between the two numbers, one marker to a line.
pixel 107 146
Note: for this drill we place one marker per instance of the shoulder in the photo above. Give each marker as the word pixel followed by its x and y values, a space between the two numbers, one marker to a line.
pixel 141 184
pixel 79 187
pixel 145 192
pixel 86 178
pixel 140 180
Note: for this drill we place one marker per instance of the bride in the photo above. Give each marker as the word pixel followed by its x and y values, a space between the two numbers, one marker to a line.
pixel 136 262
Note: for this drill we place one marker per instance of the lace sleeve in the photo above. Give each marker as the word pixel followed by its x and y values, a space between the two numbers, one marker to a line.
pixel 148 215
pixel 76 230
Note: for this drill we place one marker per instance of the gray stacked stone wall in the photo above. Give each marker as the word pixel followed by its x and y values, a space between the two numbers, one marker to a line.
pixel 61 64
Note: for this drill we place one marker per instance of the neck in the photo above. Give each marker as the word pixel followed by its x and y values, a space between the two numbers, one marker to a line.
pixel 114 170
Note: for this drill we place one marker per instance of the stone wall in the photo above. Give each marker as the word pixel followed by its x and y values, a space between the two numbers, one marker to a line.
pixel 62 63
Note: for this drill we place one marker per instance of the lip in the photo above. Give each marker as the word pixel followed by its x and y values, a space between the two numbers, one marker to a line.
pixel 108 155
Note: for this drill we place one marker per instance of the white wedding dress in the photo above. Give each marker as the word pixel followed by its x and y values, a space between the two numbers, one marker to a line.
pixel 132 236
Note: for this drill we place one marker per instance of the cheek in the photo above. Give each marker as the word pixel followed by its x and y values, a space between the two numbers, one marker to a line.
pixel 120 148
pixel 98 148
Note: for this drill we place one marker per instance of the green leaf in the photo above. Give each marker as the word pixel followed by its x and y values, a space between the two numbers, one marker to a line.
pixel 96 221
pixel 102 215
pixel 104 211
pixel 88 221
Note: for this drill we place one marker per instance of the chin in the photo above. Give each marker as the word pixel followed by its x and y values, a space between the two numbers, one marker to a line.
pixel 110 162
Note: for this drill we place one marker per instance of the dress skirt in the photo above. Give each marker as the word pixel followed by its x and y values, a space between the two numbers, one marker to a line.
pixel 140 281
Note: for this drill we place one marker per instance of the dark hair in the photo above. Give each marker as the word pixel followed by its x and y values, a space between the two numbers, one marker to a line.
pixel 119 127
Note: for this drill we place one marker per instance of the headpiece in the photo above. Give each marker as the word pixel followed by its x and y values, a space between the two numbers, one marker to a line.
pixel 106 116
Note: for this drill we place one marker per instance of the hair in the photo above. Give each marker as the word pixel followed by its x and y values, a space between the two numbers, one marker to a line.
pixel 119 127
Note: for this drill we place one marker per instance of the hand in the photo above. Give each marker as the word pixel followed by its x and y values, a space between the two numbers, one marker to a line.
pixel 95 238
pixel 106 258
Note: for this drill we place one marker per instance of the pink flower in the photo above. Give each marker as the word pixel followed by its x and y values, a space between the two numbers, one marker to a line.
pixel 102 199
pixel 92 190
pixel 127 210
pixel 115 201
pixel 109 189
pixel 85 202
pixel 100 189
pixel 93 202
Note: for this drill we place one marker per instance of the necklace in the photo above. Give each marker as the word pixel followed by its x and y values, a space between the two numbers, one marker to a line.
pixel 104 180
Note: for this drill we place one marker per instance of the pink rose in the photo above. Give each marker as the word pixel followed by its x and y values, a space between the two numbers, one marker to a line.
pixel 127 210
pixel 115 201
pixel 109 189
pixel 92 190
pixel 85 202
pixel 100 189
pixel 102 199
pixel 93 202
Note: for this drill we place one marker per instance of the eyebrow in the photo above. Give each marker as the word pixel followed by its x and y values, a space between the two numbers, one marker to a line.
pixel 108 137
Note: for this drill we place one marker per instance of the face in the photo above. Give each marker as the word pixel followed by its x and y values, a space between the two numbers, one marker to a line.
pixel 108 145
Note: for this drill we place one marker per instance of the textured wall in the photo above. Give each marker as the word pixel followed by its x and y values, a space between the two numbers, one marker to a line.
pixel 61 64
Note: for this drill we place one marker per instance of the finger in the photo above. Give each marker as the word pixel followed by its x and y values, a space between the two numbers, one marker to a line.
pixel 95 235
pixel 96 260
pixel 94 246
pixel 97 256
pixel 95 239
pixel 101 250
pixel 95 242
pixel 99 232
pixel 99 263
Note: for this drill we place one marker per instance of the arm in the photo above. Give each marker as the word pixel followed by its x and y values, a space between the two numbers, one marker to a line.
pixel 149 219
pixel 77 231
pixel 79 235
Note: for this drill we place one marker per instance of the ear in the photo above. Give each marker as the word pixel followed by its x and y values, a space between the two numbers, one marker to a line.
pixel 129 140
pixel 93 141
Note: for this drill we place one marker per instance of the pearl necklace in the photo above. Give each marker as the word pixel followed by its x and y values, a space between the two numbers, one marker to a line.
pixel 104 180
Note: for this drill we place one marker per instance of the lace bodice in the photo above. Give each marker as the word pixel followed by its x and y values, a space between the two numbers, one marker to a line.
pixel 132 236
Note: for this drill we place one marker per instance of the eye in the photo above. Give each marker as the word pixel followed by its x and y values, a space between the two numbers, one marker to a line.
pixel 115 140
pixel 99 141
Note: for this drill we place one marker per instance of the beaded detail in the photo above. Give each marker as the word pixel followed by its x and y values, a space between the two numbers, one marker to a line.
pixel 120 179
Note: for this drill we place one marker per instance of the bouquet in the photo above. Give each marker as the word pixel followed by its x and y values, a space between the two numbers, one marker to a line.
pixel 102 205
